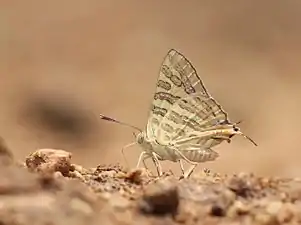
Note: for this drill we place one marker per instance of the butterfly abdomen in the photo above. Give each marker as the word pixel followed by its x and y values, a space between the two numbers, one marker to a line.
pixel 200 155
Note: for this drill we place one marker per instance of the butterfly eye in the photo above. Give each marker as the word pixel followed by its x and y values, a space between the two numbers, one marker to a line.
pixel 235 129
pixel 139 139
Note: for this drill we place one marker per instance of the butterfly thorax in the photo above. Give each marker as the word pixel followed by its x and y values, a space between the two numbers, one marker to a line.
pixel 144 142
pixel 162 151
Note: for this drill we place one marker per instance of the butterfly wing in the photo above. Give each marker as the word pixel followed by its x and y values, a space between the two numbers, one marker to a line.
pixel 194 113
pixel 183 104
pixel 171 86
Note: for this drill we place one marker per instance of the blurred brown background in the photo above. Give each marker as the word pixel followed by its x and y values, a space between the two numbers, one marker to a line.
pixel 64 62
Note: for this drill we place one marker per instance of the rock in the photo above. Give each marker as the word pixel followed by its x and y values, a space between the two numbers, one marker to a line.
pixel 6 155
pixel 160 198
pixel 50 161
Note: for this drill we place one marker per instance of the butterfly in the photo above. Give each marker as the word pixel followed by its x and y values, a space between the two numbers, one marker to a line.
pixel 185 122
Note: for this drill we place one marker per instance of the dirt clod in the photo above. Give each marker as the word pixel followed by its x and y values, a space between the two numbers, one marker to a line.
pixel 160 198
pixel 50 161
pixel 135 176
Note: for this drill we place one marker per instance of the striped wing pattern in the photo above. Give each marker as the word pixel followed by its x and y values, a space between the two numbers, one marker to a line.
pixel 182 104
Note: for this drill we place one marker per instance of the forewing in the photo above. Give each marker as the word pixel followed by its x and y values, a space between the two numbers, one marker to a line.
pixel 177 79
pixel 192 108
pixel 194 113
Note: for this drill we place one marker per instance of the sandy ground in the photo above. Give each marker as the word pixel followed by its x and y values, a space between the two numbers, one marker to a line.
pixel 63 63
pixel 49 189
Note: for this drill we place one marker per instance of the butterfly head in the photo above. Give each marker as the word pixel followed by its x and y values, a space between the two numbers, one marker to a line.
pixel 140 137
pixel 233 129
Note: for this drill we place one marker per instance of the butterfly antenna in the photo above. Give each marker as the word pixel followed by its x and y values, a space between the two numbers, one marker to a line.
pixel 240 121
pixel 103 117
pixel 250 139
pixel 122 150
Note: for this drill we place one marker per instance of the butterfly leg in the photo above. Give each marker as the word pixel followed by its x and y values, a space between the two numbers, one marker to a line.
pixel 222 138
pixel 143 156
pixel 157 164
pixel 145 166
pixel 143 161
pixel 140 158
pixel 122 150
pixel 189 171
pixel 182 167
